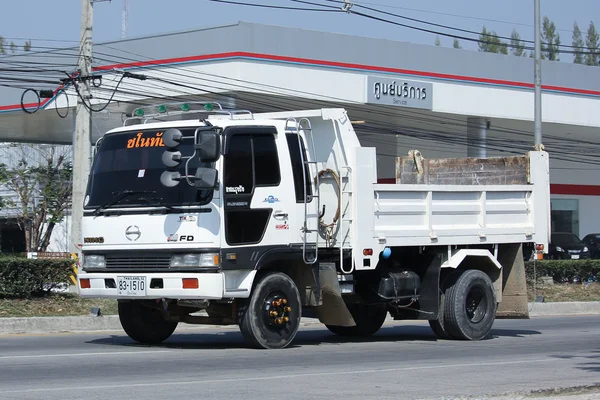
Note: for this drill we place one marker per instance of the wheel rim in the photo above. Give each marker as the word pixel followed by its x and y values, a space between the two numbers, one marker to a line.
pixel 276 311
pixel 476 305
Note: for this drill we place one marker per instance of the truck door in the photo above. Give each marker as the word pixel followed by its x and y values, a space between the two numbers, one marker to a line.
pixel 258 197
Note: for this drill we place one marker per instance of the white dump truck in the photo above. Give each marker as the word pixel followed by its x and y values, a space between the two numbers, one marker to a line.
pixel 260 219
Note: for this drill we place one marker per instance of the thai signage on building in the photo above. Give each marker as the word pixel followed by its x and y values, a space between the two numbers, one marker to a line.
pixel 399 92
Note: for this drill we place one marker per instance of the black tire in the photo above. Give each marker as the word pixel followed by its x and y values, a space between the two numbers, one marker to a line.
pixel 144 324
pixel 470 306
pixel 262 329
pixel 369 319
pixel 437 325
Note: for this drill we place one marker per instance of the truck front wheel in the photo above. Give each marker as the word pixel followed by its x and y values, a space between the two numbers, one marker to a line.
pixel 144 324
pixel 469 306
pixel 272 315
pixel 369 318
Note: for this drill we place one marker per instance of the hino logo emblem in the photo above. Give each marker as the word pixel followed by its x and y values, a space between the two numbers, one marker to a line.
pixel 133 232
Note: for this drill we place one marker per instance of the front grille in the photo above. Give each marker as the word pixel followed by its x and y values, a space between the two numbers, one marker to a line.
pixel 139 261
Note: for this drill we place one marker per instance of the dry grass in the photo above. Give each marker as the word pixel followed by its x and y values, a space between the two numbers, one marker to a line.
pixel 566 292
pixel 66 304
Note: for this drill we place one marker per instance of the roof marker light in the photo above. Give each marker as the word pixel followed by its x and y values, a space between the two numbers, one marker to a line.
pixel 162 108
pixel 139 112
pixel 185 107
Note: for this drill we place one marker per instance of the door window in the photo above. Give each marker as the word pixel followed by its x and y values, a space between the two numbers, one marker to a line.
pixel 297 167
pixel 251 161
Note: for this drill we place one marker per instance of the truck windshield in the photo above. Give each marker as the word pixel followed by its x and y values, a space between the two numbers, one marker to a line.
pixel 132 162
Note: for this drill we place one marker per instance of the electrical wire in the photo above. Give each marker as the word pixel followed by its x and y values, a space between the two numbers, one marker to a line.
pixel 463 123
pixel 428 118
pixel 269 6
pixel 435 24
pixel 410 114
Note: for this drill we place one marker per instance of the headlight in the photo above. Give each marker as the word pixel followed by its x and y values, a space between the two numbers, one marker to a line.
pixel 585 249
pixel 195 260
pixel 94 261
pixel 558 248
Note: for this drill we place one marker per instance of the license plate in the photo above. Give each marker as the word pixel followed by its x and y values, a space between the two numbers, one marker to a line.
pixel 131 285
pixel 575 257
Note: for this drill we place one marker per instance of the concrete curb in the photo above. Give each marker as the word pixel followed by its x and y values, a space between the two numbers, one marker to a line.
pixel 40 325
pixel 566 308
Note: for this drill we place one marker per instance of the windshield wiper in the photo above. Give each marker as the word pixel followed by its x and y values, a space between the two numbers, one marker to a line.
pixel 120 196
pixel 158 201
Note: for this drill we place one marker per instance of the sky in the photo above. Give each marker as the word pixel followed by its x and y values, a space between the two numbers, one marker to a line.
pixel 59 20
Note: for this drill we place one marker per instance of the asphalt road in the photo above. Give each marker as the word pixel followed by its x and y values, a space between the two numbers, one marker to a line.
pixel 403 361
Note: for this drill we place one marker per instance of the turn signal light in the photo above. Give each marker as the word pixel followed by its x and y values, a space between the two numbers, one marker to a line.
pixel 84 283
pixel 190 283
pixel 367 252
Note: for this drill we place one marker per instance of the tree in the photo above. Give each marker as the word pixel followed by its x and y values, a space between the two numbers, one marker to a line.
pixel 27 46
pixel 456 44
pixel 437 41
pixel 13 47
pixel 2 45
pixel 517 48
pixel 550 40
pixel 489 42
pixel 41 181
pixel 591 42
pixel 578 44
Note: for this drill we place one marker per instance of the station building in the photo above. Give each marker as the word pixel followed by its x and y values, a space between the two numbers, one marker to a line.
pixel 444 102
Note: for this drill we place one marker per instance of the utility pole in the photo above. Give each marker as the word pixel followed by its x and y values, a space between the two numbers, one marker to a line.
pixel 83 126
pixel 537 79
pixel 124 17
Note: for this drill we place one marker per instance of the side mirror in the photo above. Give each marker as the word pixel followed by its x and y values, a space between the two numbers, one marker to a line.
pixel 208 146
pixel 206 178
pixel 171 158
pixel 172 138
pixel 170 178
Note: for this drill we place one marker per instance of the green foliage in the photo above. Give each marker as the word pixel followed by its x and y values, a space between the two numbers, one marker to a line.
pixel 550 41
pixel 43 191
pixel 592 43
pixel 456 44
pixel 437 41
pixel 517 48
pixel 560 269
pixel 489 42
pixel 27 46
pixel 578 44
pixel 27 278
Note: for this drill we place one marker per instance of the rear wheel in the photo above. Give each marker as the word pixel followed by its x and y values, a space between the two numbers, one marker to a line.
pixel 368 317
pixel 272 315
pixel 470 306
pixel 437 325
pixel 144 324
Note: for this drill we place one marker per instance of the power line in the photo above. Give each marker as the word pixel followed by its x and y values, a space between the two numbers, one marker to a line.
pixel 413 115
pixel 272 6
pixel 453 15
pixel 426 30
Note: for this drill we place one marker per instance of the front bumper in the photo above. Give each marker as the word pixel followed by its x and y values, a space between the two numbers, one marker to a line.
pixel 157 286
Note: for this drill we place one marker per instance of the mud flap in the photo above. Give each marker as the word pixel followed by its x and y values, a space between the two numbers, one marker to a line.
pixel 333 310
pixel 514 303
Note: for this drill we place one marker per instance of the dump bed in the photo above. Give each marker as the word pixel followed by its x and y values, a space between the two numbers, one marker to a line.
pixel 460 201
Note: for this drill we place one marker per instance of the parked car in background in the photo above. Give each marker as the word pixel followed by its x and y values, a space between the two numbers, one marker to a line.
pixel 567 246
pixel 592 241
